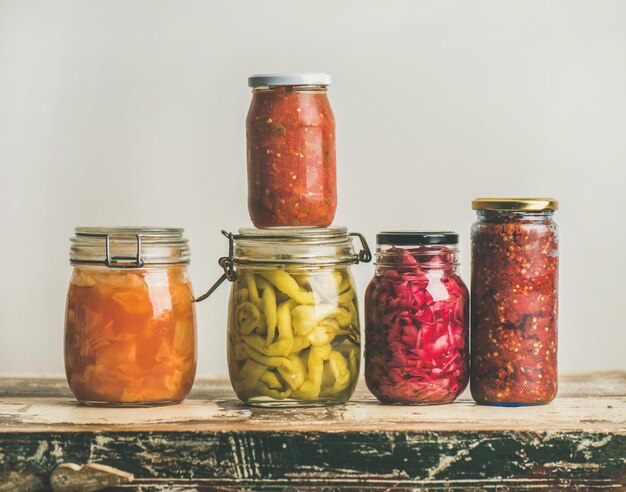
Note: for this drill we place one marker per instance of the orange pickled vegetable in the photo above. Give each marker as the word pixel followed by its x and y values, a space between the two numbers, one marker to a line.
pixel 130 336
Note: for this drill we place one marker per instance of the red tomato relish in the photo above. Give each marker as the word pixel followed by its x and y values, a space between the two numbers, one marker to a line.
pixel 291 155
pixel 514 302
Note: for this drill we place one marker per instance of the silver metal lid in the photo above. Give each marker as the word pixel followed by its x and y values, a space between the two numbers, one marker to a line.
pixel 129 247
pixel 297 78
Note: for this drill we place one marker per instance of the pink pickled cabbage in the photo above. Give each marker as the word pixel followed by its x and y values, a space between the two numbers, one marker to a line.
pixel 416 344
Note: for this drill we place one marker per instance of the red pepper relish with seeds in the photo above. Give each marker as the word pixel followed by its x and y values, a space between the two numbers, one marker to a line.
pixel 514 301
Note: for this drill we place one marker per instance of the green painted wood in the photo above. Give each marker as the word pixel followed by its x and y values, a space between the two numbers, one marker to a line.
pixel 340 459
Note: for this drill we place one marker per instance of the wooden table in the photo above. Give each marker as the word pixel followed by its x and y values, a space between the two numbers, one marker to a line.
pixel 212 441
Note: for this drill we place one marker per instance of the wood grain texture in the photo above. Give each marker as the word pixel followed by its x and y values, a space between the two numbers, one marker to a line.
pixel 577 442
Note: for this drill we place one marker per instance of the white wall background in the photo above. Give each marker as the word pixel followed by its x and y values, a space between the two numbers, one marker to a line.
pixel 133 112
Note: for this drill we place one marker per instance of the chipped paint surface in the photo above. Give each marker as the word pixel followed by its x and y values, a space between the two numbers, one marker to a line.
pixel 447 460
pixel 216 442
pixel 343 458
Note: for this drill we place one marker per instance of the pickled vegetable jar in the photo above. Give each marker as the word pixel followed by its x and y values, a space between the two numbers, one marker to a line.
pixel 293 323
pixel 130 327
pixel 416 320
pixel 514 301
pixel 291 151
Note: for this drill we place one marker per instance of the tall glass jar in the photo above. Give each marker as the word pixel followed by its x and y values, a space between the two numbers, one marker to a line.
pixel 514 301
pixel 290 132
pixel 130 326
pixel 416 320
pixel 293 322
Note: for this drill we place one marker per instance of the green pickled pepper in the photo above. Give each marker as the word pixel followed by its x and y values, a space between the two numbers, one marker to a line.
pixel 294 335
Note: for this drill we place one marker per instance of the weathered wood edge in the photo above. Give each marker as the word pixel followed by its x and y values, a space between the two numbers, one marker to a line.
pixel 251 459
pixel 33 412
pixel 329 426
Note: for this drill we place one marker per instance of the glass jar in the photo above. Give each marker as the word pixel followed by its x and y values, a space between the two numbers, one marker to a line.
pixel 514 301
pixel 290 132
pixel 293 322
pixel 130 325
pixel 416 320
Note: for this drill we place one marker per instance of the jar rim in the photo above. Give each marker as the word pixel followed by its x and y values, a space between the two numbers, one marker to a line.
pixel 146 231
pixel 309 234
pixel 422 256
pixel 129 246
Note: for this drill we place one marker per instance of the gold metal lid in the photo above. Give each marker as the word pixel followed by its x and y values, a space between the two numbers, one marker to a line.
pixel 524 204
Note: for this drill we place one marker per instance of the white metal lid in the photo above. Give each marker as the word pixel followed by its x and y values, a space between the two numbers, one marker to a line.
pixel 297 78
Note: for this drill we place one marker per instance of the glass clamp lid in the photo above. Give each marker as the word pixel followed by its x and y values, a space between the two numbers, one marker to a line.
pixel 129 247
pixel 310 246
pixel 297 245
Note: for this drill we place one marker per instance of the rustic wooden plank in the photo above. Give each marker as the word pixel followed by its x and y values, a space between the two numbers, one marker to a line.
pixel 600 413
pixel 211 441
pixel 64 415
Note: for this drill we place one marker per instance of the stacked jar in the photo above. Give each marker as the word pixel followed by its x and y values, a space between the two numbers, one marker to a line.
pixel 290 132
pixel 293 322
